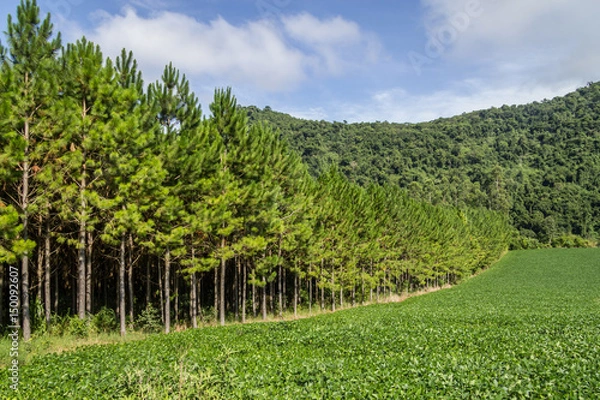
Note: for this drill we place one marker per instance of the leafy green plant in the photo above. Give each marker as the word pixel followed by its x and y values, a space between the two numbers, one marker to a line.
pixel 149 320
pixel 527 328
pixel 104 320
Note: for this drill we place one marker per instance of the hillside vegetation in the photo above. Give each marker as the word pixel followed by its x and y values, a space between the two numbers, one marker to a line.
pixel 540 162
pixel 527 328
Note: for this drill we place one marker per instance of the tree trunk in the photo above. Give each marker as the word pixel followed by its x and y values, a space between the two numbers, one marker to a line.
pixel 40 268
pixel 88 274
pixel 222 299
pixel 280 290
pixel 148 287
pixel 25 236
pixel 296 295
pixel 193 296
pixel 176 284
pixel 122 286
pixel 216 287
pixel 279 279
pixel 167 285
pixel 2 296
pixel 236 289
pixel 254 301
pixel 81 248
pixel 47 275
pixel 362 284
pixel 264 299
pixel 130 276
pixel 322 286
pixel 161 289
pixel 56 292
pixel 244 289
pixel 332 289
pixel 341 294
pixel 272 297
pixel 310 295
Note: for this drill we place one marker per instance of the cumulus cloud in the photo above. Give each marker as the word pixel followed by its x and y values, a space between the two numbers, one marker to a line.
pixel 550 40
pixel 335 44
pixel 253 52
pixel 398 105
pixel 265 54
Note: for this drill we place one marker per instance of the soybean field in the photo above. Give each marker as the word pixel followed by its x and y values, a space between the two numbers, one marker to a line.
pixel 529 327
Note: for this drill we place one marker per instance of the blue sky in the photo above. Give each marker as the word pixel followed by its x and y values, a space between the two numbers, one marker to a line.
pixel 354 60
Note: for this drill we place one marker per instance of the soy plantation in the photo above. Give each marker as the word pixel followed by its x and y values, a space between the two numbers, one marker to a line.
pixel 529 327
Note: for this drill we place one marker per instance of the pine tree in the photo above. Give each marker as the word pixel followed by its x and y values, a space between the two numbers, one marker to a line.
pixel 30 65
pixel 178 112
pixel 134 173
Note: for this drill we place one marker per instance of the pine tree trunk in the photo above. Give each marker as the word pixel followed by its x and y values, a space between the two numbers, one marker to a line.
pixel 285 296
pixel 130 276
pixel 26 324
pixel 371 284
pixel 176 284
pixel 56 292
pixel 362 284
pixel 148 287
pixel 40 268
pixel 47 274
pixel 254 308
pixel 296 295
pixel 167 285
pixel 310 295
pixel 272 297
pixel 222 291
pixel 322 286
pixel 264 299
pixel 332 289
pixel 161 290
pixel 244 289
pixel 122 287
pixel 2 296
pixel 341 291
pixel 81 248
pixel 280 290
pixel 216 287
pixel 193 295
pixel 88 274
pixel 236 289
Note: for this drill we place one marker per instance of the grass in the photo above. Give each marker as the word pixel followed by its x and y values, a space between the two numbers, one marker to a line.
pixel 48 344
pixel 527 328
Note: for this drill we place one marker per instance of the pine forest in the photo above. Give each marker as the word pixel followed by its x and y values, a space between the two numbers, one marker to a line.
pixel 124 199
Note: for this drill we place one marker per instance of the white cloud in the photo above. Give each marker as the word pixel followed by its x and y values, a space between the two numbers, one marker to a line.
pixel 550 40
pixel 269 55
pixel 335 44
pixel 398 105
pixel 254 52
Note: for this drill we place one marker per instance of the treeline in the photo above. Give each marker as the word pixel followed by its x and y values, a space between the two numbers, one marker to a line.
pixel 119 196
pixel 537 163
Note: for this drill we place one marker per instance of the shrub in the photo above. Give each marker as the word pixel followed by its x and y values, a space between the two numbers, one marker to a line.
pixel 105 320
pixel 149 320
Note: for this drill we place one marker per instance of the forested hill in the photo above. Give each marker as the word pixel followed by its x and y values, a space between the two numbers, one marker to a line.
pixel 538 162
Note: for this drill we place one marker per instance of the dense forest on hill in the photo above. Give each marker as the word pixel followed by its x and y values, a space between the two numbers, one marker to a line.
pixel 538 163
pixel 123 200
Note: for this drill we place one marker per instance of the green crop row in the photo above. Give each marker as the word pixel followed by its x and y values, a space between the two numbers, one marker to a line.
pixel 527 328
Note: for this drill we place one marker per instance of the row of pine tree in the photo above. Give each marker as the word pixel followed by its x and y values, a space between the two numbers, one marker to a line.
pixel 124 196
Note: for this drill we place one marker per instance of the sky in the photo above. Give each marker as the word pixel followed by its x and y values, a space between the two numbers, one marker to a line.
pixel 350 60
